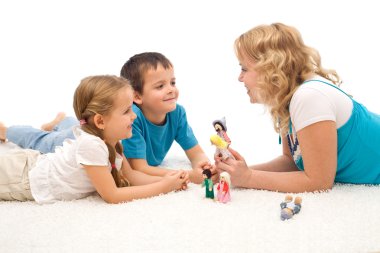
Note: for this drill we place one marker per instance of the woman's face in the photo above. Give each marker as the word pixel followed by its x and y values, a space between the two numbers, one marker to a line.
pixel 248 76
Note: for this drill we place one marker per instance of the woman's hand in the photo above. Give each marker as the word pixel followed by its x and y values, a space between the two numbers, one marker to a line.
pixel 238 169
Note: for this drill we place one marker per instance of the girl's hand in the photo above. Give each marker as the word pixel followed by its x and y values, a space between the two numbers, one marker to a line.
pixel 175 180
pixel 238 169
pixel 186 177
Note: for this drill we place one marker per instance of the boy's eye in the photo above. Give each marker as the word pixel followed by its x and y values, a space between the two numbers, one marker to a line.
pixel 173 83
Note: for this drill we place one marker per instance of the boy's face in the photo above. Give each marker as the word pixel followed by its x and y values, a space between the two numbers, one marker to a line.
pixel 159 94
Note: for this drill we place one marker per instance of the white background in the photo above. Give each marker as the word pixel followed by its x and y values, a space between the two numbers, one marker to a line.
pixel 47 47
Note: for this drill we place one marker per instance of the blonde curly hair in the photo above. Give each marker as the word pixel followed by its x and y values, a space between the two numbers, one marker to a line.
pixel 283 62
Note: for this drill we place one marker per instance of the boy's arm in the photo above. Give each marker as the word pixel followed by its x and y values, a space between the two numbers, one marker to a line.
pixel 199 161
pixel 142 166
pixel 136 177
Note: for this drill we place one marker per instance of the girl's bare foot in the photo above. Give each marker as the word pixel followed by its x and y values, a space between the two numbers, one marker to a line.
pixel 50 125
pixel 3 131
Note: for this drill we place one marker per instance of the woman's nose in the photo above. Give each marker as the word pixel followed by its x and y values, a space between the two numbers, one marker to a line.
pixel 240 78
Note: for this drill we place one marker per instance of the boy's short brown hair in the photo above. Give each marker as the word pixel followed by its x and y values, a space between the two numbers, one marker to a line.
pixel 136 67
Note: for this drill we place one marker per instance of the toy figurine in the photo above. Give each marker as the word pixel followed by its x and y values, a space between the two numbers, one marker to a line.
pixel 224 187
pixel 221 147
pixel 289 208
pixel 221 129
pixel 207 182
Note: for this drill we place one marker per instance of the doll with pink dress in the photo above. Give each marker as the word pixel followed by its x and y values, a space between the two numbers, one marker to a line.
pixel 223 188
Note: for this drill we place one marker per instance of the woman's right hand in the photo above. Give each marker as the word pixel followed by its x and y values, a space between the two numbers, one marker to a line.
pixel 238 169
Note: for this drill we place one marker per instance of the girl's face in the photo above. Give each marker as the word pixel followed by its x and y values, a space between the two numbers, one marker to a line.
pixel 248 76
pixel 118 123
pixel 159 94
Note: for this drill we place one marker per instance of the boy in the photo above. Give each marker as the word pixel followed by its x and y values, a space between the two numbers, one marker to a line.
pixel 160 120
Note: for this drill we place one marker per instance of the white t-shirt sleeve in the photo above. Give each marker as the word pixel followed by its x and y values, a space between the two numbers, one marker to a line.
pixel 92 150
pixel 309 105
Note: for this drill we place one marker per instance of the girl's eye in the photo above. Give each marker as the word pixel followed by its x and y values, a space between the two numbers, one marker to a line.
pixel 173 83
pixel 243 70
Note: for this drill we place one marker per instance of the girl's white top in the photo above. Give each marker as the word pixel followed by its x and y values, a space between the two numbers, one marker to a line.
pixel 61 176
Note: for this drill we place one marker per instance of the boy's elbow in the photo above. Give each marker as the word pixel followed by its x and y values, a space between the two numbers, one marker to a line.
pixel 321 186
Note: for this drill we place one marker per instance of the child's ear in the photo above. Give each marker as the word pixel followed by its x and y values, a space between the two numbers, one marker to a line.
pixel 137 98
pixel 99 121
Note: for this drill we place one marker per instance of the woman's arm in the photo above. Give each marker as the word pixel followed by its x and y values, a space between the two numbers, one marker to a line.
pixel 318 144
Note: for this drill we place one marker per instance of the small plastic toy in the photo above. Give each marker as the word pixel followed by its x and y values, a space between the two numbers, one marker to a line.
pixel 207 182
pixel 221 129
pixel 221 147
pixel 224 188
pixel 290 208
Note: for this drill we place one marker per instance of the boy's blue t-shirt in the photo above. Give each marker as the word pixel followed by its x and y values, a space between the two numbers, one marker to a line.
pixel 152 142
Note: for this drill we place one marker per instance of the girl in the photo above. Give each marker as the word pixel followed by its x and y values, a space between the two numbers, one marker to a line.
pixel 327 136
pixel 94 161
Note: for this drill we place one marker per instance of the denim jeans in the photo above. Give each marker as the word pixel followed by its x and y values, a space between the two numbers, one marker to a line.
pixel 43 141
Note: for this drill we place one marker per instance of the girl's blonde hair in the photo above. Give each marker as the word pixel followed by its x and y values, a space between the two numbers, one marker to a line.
pixel 283 62
pixel 95 95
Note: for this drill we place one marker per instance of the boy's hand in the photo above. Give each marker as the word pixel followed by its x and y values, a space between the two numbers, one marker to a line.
pixel 196 173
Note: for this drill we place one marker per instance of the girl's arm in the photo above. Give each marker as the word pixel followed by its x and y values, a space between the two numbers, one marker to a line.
pixel 104 184
pixel 141 167
pixel 318 144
